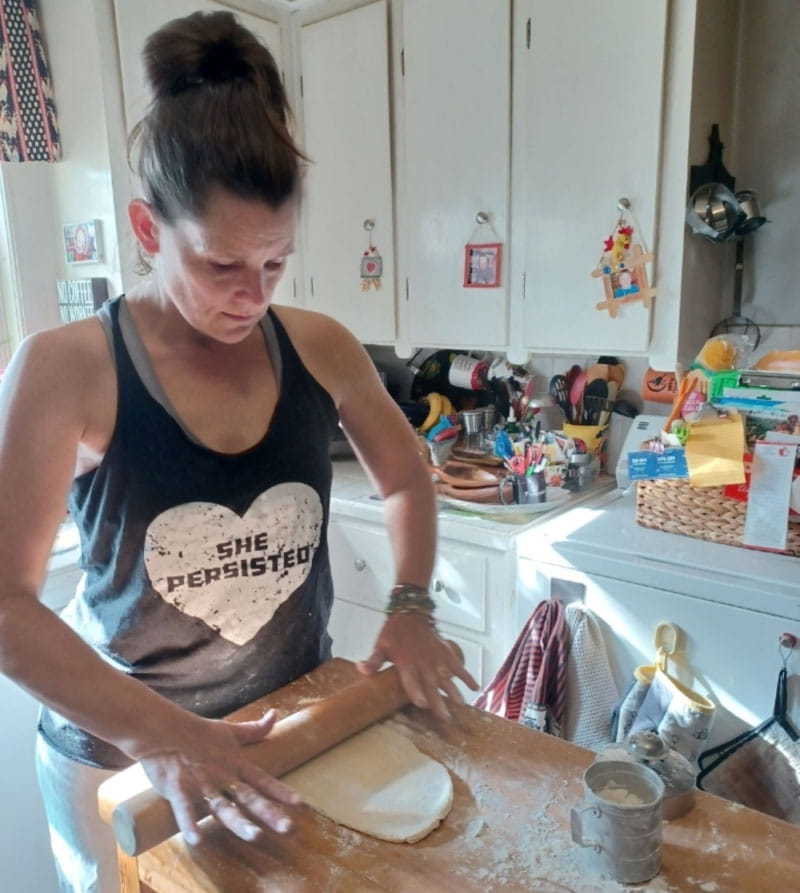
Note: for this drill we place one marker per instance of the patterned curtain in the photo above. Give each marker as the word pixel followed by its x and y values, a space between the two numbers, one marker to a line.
pixel 28 125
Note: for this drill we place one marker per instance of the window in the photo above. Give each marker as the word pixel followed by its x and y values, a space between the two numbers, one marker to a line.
pixel 10 305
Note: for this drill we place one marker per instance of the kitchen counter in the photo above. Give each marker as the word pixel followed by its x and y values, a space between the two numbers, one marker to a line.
pixel 508 828
pixel 609 541
pixel 354 495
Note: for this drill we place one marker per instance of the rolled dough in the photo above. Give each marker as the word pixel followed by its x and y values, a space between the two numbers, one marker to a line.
pixel 378 783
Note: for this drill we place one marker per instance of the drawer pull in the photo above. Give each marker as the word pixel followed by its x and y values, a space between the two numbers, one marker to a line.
pixel 441 588
pixel 359 564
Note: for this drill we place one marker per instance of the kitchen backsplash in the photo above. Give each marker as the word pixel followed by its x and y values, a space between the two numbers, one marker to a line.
pixel 544 367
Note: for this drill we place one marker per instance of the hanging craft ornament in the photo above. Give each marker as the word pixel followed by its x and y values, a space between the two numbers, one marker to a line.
pixel 622 266
pixel 371 262
pixel 483 259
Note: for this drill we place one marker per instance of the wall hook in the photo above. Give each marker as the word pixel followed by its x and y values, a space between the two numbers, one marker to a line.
pixel 786 642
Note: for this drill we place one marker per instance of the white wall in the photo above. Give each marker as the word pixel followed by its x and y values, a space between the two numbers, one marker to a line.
pixel 765 156
pixel 42 197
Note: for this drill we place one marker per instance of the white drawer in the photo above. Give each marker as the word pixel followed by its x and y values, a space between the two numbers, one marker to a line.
pixel 363 573
pixel 355 628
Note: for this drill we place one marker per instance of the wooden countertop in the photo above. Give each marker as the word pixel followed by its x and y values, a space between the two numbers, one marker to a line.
pixel 508 829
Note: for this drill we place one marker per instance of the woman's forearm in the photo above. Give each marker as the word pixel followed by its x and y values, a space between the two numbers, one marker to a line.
pixel 44 656
pixel 410 514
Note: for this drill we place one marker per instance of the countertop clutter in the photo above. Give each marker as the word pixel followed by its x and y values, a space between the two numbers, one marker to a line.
pixel 508 829
pixel 494 446
pixel 724 466
pixel 353 494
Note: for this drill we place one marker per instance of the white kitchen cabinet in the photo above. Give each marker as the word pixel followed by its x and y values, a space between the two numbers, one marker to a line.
pixel 135 21
pixel 453 123
pixel 474 580
pixel 344 62
pixel 472 588
pixel 588 86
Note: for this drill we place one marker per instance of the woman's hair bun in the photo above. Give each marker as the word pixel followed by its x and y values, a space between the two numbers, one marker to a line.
pixel 218 117
pixel 222 62
pixel 199 49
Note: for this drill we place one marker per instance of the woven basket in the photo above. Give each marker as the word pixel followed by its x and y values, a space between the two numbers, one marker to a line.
pixel 702 512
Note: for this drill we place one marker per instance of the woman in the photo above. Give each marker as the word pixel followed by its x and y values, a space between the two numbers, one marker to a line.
pixel 188 425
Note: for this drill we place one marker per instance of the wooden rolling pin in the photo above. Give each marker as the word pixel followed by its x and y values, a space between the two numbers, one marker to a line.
pixel 141 818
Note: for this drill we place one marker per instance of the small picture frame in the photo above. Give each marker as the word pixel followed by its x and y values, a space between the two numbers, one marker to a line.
pixel 482 265
pixel 82 242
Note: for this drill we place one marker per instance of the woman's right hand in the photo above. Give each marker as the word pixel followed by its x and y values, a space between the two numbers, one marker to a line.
pixel 211 774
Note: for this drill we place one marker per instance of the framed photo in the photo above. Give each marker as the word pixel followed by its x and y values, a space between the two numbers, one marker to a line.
pixel 482 265
pixel 82 242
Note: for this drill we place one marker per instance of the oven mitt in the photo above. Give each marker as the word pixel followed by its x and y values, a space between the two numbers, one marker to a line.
pixel 657 702
pixel 682 717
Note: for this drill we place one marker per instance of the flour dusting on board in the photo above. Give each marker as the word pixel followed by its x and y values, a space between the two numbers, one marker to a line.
pixel 705 886
pixel 539 853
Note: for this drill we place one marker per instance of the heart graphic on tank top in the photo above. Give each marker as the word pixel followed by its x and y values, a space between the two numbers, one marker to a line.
pixel 234 572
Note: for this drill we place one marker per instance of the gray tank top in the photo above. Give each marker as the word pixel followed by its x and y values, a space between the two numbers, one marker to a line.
pixel 206 574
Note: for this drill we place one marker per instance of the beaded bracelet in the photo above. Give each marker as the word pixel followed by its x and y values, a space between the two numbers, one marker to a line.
pixel 408 598
pixel 416 612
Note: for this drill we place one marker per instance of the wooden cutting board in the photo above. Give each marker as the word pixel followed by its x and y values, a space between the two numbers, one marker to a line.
pixel 508 829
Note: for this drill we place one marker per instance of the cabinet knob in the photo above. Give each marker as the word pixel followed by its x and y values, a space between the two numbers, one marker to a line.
pixel 359 564
pixel 438 586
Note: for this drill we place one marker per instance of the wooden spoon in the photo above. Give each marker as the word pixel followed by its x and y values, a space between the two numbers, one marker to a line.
pixel 598 370
pixel 618 375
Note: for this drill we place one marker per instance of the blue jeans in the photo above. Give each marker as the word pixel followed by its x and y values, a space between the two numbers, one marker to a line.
pixel 83 845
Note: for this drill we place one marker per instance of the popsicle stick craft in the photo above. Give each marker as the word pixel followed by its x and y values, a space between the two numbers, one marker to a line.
pixel 622 267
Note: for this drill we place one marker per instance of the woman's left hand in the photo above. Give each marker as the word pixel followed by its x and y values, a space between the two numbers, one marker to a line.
pixel 426 663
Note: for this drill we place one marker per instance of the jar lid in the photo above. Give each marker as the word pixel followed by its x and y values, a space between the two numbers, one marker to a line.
pixel 675 770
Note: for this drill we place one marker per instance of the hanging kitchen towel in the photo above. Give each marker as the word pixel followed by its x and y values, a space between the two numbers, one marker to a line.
pixel 591 690
pixel 530 686
pixel 656 701
pixel 759 768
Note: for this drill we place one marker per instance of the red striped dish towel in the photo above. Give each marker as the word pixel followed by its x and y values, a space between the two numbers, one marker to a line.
pixel 530 686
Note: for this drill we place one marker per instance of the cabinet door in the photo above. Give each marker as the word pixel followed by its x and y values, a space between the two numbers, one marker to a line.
pixel 363 572
pixel 345 85
pixel 454 121
pixel 469 586
pixel 587 129
pixel 135 22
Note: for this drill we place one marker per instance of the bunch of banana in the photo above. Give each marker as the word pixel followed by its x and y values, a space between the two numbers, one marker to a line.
pixel 438 405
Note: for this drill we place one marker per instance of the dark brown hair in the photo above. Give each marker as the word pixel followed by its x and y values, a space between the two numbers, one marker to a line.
pixel 218 117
